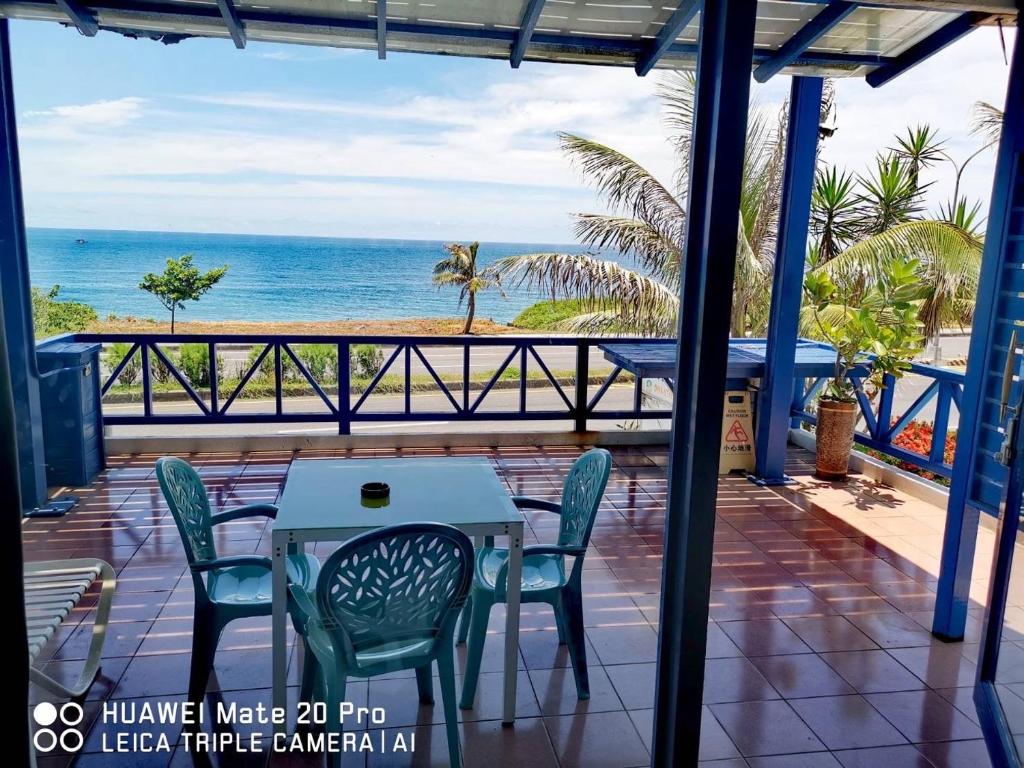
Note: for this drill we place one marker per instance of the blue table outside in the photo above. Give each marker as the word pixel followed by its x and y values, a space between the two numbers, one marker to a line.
pixel 746 359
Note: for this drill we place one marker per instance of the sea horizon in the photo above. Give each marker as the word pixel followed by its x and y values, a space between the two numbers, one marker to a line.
pixel 270 277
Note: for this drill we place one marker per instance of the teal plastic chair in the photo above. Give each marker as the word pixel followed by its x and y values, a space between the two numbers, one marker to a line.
pixel 385 601
pixel 226 588
pixel 545 578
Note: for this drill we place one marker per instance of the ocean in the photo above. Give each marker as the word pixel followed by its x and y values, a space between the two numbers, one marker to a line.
pixel 269 277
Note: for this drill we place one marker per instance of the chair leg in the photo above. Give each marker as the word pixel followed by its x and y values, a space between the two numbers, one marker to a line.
pixel 560 624
pixel 572 606
pixel 446 670
pixel 465 617
pixel 310 670
pixel 425 684
pixel 335 695
pixel 206 630
pixel 477 637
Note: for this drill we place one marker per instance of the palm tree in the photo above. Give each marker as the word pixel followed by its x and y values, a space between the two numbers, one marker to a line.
pixel 859 228
pixel 458 268
pixel 646 224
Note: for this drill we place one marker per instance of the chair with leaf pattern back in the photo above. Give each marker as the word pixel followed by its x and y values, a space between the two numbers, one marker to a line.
pixel 385 601
pixel 545 577
pixel 226 588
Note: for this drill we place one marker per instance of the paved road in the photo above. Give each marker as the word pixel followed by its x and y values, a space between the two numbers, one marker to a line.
pixel 618 397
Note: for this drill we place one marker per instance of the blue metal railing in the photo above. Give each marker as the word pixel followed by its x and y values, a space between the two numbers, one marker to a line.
pixel 879 425
pixel 462 395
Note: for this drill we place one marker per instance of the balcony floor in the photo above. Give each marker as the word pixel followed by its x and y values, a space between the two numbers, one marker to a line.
pixel 819 653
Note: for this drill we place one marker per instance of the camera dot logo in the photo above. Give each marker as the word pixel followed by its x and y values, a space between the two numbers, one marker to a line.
pixel 46 739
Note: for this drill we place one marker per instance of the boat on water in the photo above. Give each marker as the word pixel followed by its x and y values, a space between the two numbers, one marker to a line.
pixel 81 241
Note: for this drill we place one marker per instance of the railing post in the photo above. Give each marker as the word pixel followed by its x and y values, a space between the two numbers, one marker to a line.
pixel 465 377
pixel 940 426
pixel 344 389
pixel 408 378
pixel 582 380
pixel 147 383
pixel 278 380
pixel 214 373
pixel 885 400
pixel 798 403
pixel 522 379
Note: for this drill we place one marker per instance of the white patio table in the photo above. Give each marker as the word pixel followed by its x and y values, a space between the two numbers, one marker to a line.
pixel 321 502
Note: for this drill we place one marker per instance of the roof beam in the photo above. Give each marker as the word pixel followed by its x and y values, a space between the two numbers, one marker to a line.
pixel 531 15
pixel 675 25
pixel 81 16
pixel 805 37
pixel 926 48
pixel 382 29
pixel 235 27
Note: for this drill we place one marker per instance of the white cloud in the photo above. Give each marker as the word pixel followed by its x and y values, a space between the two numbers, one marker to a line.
pixel 110 113
pixel 348 167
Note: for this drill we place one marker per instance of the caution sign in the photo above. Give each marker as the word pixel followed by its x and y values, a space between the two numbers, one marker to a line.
pixel 737 434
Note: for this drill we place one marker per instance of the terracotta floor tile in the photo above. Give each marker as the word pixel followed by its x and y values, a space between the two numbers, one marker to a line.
pixel 830 633
pixel 766 728
pixel 597 740
pixel 872 671
pixel 801 675
pixel 763 637
pixel 924 716
pixel 904 756
pixel 956 754
pixel 847 722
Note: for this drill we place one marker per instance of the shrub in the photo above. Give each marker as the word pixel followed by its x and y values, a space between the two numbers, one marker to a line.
pixel 916 437
pixel 112 357
pixel 50 316
pixel 194 363
pixel 365 360
pixel 321 360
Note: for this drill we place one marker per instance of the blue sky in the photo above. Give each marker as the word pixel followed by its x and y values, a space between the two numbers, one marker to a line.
pixel 198 136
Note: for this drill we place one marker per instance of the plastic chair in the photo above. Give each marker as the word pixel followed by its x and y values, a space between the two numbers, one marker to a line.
pixel 388 600
pixel 226 588
pixel 545 578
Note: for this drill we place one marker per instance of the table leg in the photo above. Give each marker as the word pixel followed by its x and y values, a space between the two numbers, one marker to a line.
pixel 515 576
pixel 279 626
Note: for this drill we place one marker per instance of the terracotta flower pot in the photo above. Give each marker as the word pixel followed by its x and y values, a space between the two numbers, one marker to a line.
pixel 836 420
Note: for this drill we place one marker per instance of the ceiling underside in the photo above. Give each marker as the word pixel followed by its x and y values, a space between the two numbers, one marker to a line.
pixel 857 40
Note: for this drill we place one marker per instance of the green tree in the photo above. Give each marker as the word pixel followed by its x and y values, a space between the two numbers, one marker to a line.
pixel 459 269
pixel 180 282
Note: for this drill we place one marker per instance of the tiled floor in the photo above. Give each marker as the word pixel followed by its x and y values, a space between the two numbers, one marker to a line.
pixel 819 653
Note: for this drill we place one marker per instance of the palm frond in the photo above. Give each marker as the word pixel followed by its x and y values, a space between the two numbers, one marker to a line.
pixel 625 184
pixel 656 252
pixel 950 263
pixel 987 122
pixel 644 304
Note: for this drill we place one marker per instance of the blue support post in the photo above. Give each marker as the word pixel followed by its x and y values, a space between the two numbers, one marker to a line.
pixel 989 338
pixel 931 45
pixel 775 403
pixel 674 27
pixel 83 18
pixel 382 29
pixel 17 298
pixel 716 174
pixel 531 15
pixel 804 38
pixel 11 504
pixel 235 27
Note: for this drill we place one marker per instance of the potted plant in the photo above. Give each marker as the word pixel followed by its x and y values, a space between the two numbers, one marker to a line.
pixel 872 322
